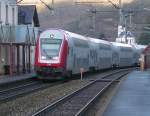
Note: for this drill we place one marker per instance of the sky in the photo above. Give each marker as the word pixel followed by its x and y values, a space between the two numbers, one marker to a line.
pixel 41 7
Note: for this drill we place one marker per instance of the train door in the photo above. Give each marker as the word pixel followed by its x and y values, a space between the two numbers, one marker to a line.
pixel 115 59
pixel 70 59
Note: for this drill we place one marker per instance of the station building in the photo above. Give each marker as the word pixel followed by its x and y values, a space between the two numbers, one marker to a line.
pixel 146 57
pixel 19 28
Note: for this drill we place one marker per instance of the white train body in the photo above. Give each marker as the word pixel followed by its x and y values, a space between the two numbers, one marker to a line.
pixel 125 53
pixel 100 52
pixel 73 52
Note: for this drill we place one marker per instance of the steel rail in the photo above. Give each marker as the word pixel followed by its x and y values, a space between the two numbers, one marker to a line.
pixel 23 90
pixel 87 106
pixel 18 87
pixel 50 107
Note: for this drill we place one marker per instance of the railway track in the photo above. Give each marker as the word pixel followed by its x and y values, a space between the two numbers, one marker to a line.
pixel 25 87
pixel 76 103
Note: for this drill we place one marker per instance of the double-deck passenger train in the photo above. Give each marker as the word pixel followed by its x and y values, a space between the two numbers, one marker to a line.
pixel 60 54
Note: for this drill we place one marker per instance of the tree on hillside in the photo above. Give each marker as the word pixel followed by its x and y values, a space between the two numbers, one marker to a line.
pixel 144 38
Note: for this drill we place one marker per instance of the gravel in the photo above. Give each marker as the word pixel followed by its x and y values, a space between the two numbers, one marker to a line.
pixel 28 104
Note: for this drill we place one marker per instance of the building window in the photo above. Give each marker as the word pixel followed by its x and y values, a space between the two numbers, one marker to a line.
pixel 13 16
pixel 6 14
pixel 22 15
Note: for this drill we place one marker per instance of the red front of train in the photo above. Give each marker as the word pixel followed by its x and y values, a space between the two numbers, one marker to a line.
pixel 51 54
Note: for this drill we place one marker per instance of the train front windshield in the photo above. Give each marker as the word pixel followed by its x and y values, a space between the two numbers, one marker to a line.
pixel 50 48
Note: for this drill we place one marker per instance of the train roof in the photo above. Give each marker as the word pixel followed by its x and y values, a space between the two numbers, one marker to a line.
pixel 74 35
pixel 61 33
pixel 121 44
pixel 137 46
pixel 95 40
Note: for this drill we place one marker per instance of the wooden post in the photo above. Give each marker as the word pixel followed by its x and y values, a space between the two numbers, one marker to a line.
pixel 18 59
pixel 81 73
pixel 23 58
pixel 10 59
pixel 142 62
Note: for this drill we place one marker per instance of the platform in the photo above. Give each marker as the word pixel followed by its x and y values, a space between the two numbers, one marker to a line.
pixel 133 96
pixel 5 79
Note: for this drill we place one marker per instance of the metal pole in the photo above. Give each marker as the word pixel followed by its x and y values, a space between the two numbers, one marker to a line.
pixel 29 60
pixel 126 29
pixel 120 12
pixel 130 18
pixel 93 19
pixel 52 3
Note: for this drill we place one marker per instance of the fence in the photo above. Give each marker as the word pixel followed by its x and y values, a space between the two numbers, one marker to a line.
pixel 17 45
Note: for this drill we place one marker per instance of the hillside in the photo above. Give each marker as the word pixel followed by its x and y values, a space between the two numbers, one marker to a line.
pixel 78 17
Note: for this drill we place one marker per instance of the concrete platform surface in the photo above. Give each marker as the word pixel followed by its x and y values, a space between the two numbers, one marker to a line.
pixel 133 96
pixel 8 79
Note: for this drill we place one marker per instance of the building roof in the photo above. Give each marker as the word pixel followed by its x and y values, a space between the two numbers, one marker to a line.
pixel 147 50
pixel 28 14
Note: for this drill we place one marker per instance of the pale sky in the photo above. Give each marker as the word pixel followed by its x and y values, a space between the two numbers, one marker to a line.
pixel 40 7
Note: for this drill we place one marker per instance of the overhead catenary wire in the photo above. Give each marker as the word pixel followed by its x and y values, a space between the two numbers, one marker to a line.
pixel 117 7
pixel 19 1
pixel 50 8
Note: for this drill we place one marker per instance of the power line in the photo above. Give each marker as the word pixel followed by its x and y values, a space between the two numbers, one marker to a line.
pixel 78 3
pixel 50 8
pixel 117 7
pixel 19 1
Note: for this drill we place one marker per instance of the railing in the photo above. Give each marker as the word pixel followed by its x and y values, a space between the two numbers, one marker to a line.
pixel 18 34
pixel 17 47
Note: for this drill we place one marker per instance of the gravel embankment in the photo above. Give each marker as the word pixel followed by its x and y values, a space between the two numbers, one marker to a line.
pixel 25 106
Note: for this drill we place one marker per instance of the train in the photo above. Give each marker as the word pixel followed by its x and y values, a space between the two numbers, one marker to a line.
pixel 60 54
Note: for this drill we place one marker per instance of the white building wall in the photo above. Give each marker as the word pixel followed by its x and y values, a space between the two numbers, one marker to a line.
pixel 10 32
pixel 12 17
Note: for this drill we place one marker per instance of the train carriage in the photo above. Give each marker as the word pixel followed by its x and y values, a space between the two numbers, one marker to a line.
pixel 93 59
pixel 60 54
pixel 102 53
pixel 126 54
pixel 115 56
pixel 80 53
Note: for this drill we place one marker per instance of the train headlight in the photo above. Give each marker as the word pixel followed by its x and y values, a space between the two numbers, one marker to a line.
pixel 55 58
pixel 43 57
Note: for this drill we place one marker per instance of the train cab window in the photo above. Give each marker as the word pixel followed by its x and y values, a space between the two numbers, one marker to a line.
pixel 81 43
pixel 50 48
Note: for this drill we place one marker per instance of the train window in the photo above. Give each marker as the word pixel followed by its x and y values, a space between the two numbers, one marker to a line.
pixel 81 43
pixel 50 48
pixel 50 41
pixel 104 47
pixel 126 49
